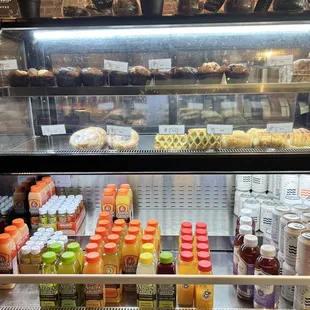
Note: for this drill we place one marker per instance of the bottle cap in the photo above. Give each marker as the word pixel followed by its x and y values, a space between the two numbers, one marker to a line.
pixel 250 241
pixel 245 230
pixel 104 223
pixel 150 230
pixel 268 250
pixel 246 212
pixel 30 243
pixel 95 239
pixel 50 242
pixel 68 257
pixel 166 257
pixel 122 191
pixel 204 266
pixel 18 223
pixel 202 239
pixel 130 239
pixel 202 247
pixel 49 257
pixel 114 238
pixel 135 223
pixel 108 192
pixel 187 225
pixel 113 186
pixel 120 222
pixel 201 225
pixel 35 188
pixel 146 258
pixel 104 215
pixel 186 231
pixel 117 230
pixel 40 229
pixel 92 247
pixel 102 231
pixel 203 256
pixel 133 231
pixel 25 250
pixel 187 256
pixel 55 247
pixel 147 239
pixel 73 247
pixel 58 233
pixel 148 247
pixel 110 247
pixel 152 223
pixel 201 232
pixel 246 220
pixel 42 211
pixel 125 186
pixel 35 250
pixel 187 239
pixel 187 247
pixel 92 257
pixel 63 238
pixel 11 230
pixel 40 244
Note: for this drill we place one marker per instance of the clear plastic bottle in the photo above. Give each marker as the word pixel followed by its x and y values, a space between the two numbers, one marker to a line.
pixel 244 212
pixel 25 256
pixel 35 257
pixel 155 224
pixel 150 248
pixel 98 239
pixel 76 249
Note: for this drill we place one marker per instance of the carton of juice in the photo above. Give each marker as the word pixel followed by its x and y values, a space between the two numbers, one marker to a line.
pixel 123 204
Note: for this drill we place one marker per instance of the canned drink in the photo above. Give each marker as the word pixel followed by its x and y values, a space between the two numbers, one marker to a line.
pixel 263 197
pixel 304 185
pixel 303 254
pixel 254 205
pixel 266 209
pixel 291 232
pixel 270 183
pixel 289 186
pixel 243 182
pixel 301 297
pixel 305 217
pixel 276 184
pixel 285 218
pixel 287 291
pixel 277 212
pixel 300 208
pixel 259 183
pixel 238 194
pixel 280 257
pixel 243 198
pixel 291 201
pixel 267 237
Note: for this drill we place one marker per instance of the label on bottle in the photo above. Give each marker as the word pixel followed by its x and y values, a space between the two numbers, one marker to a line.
pixel 302 297
pixel 19 206
pixel 246 291
pixel 122 211
pixel 288 291
pixel 130 263
pixel 49 295
pixel 68 295
pixel 146 295
pixel 94 295
pixel 8 263
pixel 112 291
pixel 108 208
pixel 235 260
pixel 34 203
pixel 166 295
pixel 19 244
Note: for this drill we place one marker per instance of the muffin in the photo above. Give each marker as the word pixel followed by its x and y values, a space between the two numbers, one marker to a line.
pixel 93 77
pixel 161 76
pixel 184 75
pixel 41 78
pixel 139 75
pixel 210 73
pixel 237 73
pixel 74 11
pixel 18 78
pixel 69 76
pixel 117 78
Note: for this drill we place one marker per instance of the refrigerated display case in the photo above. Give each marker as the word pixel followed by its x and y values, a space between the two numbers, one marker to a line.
pixel 176 107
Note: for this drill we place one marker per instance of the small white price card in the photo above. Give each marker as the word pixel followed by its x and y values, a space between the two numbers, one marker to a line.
pixel 119 131
pixel 220 129
pixel 195 106
pixel 9 64
pixel 171 129
pixel 62 180
pixel 279 127
pixel 277 61
pixel 112 65
pixel 50 130
pixel 160 63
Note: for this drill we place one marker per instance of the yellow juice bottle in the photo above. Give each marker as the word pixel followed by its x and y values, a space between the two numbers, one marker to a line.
pixel 186 239
pixel 204 293
pixel 149 230
pixel 123 204
pixel 186 291
pixel 111 263
pixel 184 232
pixel 154 223
pixel 79 255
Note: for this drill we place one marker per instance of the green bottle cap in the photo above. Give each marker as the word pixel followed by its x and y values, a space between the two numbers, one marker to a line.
pixel 73 247
pixel 55 247
pixel 49 257
pixel 166 257
pixel 68 257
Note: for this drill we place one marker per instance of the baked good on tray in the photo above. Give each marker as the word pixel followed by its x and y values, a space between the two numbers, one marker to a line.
pixel 211 117
pixel 126 8
pixel 237 73
pixel 183 75
pixel 237 6
pixel 69 76
pixel 93 77
pixel 161 77
pixel 301 70
pixel 139 75
pixel 170 142
pixel 190 116
pixel 123 142
pixel 299 138
pixel 238 140
pixel 118 78
pixel 190 7
pixel 199 139
pixel 210 73
pixel 18 78
pixel 91 138
pixel 41 78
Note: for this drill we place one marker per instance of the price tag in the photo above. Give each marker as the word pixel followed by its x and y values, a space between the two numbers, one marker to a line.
pixel 220 129
pixel 160 63
pixel 62 180
pixel 194 105
pixel 171 129
pixel 279 127
pixel 112 65
pixel 277 61
pixel 119 131
pixel 106 106
pixel 51 130
pixel 9 64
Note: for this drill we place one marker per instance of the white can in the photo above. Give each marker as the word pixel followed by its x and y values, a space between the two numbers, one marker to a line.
pixel 259 183
pixel 291 232
pixel 254 205
pixel 302 297
pixel 266 215
pixel 263 197
pixel 276 185
pixel 237 201
pixel 243 182
pixel 277 212
pixel 300 208
pixel 270 183
pixel 285 218
pixel 267 237
pixel 307 201
pixel 289 186
pixel 303 254
pixel 305 217
pixel 287 291
pixel 280 257
pixel 304 185
pixel 243 198
pixel 292 200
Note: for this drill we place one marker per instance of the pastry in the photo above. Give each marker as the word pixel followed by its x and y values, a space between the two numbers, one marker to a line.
pixel 69 76
pixel 139 75
pixel 184 75
pixel 138 122
pixel 126 7
pixel 189 7
pixel 237 6
pixel 211 117
pixel 117 114
pixel 161 77
pixel 210 73
pixel 299 138
pixel 18 78
pixel 238 140
pixel 91 138
pixel 170 142
pixel 41 78
pixel 237 73
pixel 93 77
pixel 74 11
pixel 288 5
pixel 213 5
pixel 199 139
pixel 118 78
pixel 190 116
pixel 301 70
pixel 123 142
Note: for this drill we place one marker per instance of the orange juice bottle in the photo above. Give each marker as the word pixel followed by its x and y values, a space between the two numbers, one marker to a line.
pixel 114 238
pixel 94 293
pixel 108 201
pixel 136 223
pixel 44 191
pixel 8 258
pixel 15 235
pixel 98 239
pixel 111 262
pixel 186 291
pixel 106 224
pixel 23 229
pixel 112 186
pixel 154 223
pixel 185 232
pixel 148 239
pixel 136 232
pixel 50 184
pixel 35 197
pixel 127 186
pixel 118 230
pixel 121 223
pixel 48 189
pixel 123 204
pixel 104 215
pixel 102 231
pixel 149 230
pixel 186 239
pixel 130 257
pixel 91 247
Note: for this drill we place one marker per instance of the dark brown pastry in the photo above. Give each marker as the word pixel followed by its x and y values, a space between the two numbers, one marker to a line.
pixel 210 73
pixel 190 7
pixel 237 73
pixel 161 76
pixel 93 77
pixel 41 78
pixel 288 5
pixel 126 8
pixel 117 78
pixel 74 11
pixel 139 75
pixel 237 6
pixel 67 77
pixel 18 78
pixel 184 75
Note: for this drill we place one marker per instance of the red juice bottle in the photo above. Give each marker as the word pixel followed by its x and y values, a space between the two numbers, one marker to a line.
pixel 244 212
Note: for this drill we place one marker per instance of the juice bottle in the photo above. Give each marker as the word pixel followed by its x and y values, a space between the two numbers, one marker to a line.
pixel 112 264
pixel 108 201
pixel 266 296
pixel 146 293
pixel 23 228
pixel 98 239
pixel 69 294
pixel 113 187
pixel 102 231
pixel 187 225
pixel 36 255
pixel 243 230
pixel 117 230
pixel 121 223
pixel 248 254
pixel 57 249
pixel 15 235
pixel 44 196
pixel 166 293
pixel 204 293
pixel 149 230
pixel 136 223
pixel 114 238
pixel 203 256
pixel 49 293
pixel 48 189
pixel 91 247
pixel 148 239
pixel 244 212
pixel 136 232
pixel 94 293
pixel 20 200
pixel 123 204
pixel 8 255
pixel 201 225
pixel 50 185
pixel 150 248
pixel 202 247
pixel 127 186
pixel 105 216
pixel 186 291
pixel 185 232
pixel 154 223
pixel 35 197
pixel 76 249
pixel 106 224
pixel 24 256
pixel 130 257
